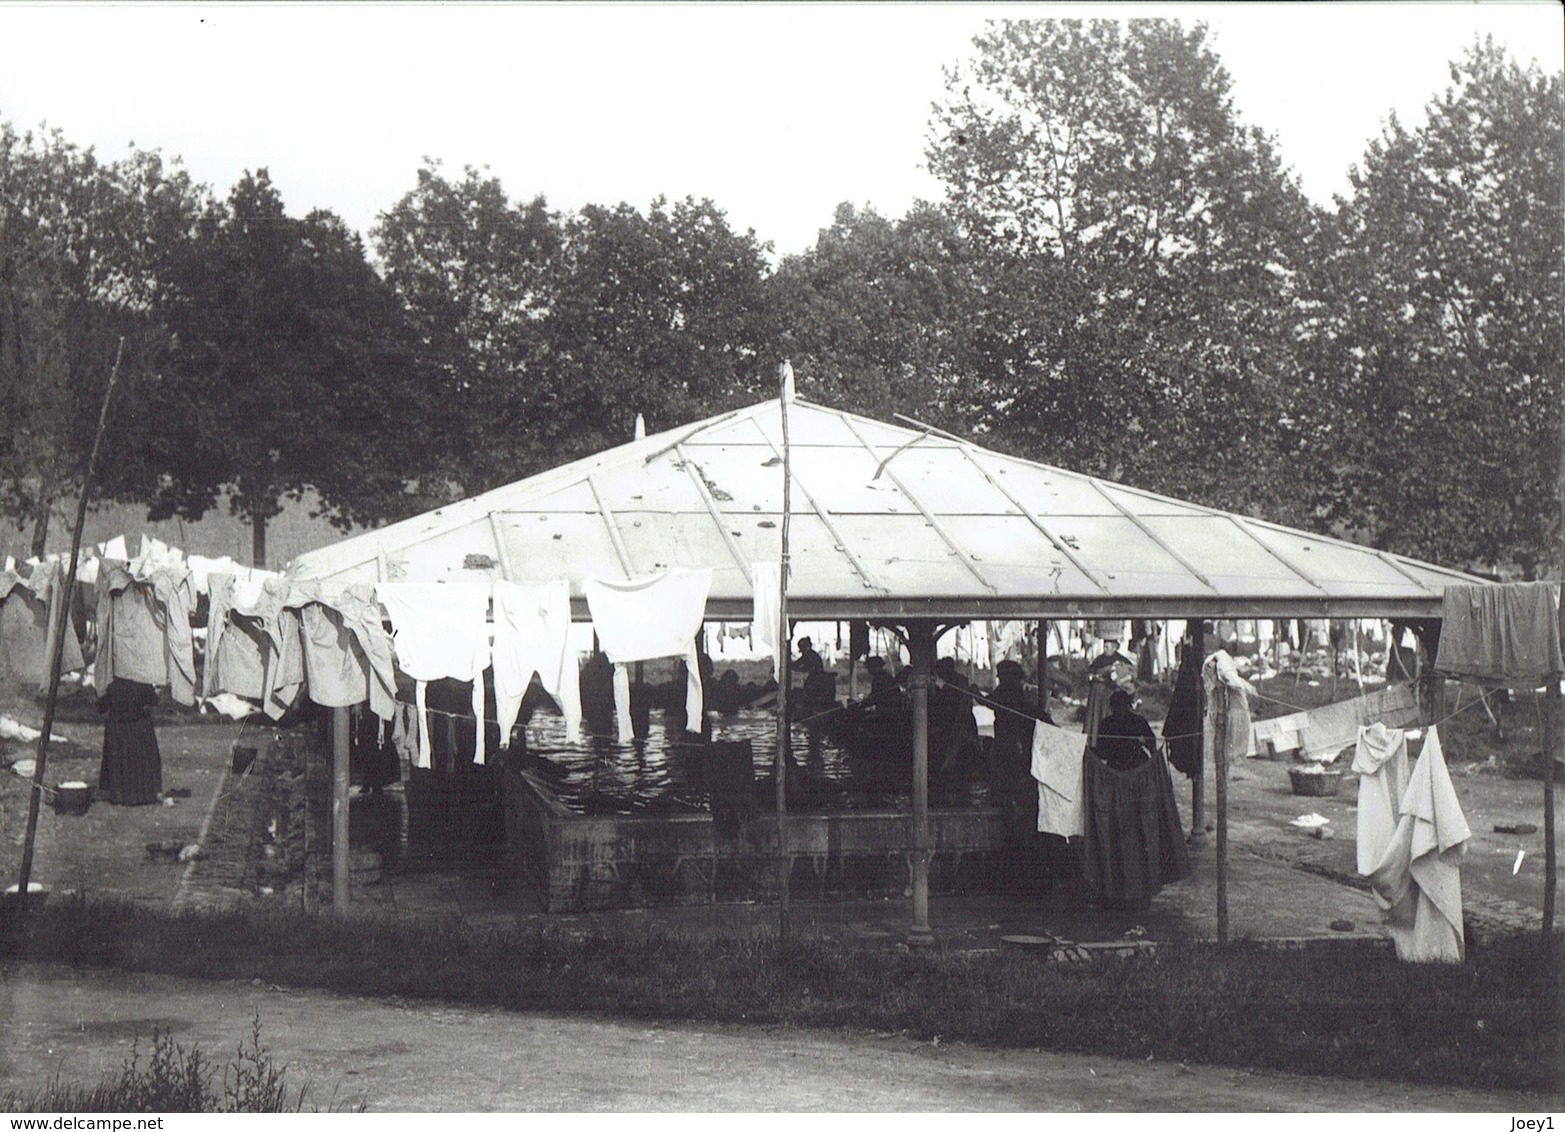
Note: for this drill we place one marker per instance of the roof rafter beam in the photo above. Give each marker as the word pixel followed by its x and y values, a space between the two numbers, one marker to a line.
pixel 700 428
pixel 502 556
pixel 1151 534
pixel 929 517
pixel 831 529
pixel 1032 518
pixel 711 508
pixel 1240 523
pixel 1391 562
pixel 615 535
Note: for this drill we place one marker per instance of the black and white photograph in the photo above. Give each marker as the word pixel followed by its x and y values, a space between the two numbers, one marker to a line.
pixel 714 558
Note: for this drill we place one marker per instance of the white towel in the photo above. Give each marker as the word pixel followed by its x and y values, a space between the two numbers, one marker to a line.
pixel 1057 765
pixel 1380 761
pixel 767 611
pixel 1419 875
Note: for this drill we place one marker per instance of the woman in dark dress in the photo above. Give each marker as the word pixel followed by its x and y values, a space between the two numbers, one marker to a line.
pixel 132 769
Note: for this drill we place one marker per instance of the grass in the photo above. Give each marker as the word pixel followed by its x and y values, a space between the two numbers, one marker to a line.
pixel 173 1079
pixel 1490 1023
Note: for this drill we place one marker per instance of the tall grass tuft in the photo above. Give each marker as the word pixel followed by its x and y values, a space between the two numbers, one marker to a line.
pixel 173 1079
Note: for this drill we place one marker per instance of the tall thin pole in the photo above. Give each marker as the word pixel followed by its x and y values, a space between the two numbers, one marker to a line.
pixel 1555 713
pixel 921 644
pixel 784 862
pixel 1220 757
pixel 60 629
pixel 340 779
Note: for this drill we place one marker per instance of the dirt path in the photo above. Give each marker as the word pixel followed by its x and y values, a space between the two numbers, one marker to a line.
pixel 396 1056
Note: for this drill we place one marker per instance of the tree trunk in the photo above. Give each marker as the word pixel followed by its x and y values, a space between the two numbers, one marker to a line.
pixel 41 512
pixel 258 540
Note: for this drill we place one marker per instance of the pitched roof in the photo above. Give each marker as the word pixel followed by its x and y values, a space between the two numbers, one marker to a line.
pixel 887 522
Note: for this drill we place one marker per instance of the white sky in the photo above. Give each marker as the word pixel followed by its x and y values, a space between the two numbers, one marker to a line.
pixel 775 112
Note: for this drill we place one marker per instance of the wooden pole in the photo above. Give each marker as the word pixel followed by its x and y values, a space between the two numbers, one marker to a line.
pixel 1557 725
pixel 62 627
pixel 921 644
pixel 1220 730
pixel 1196 639
pixel 780 771
pixel 1549 849
pixel 339 808
pixel 1043 666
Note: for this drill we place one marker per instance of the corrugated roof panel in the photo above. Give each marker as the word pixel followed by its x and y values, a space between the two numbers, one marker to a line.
pixel 808 427
pixel 462 554
pixel 543 546
pixel 845 483
pixel 907 555
pixel 663 487
pixel 575 497
pixel 818 568
pixel 1017 557
pixel 1145 503
pixel 1119 553
pixel 1337 566
pixel 1046 490
pixel 658 542
pixel 1209 544
pixel 944 481
pixel 740 477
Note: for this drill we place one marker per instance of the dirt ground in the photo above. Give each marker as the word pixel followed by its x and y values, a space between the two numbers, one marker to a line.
pixel 393 1056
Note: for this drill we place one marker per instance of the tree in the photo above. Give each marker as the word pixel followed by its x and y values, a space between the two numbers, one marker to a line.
pixel 1440 348
pixel 1141 249
pixel 475 275
pixel 78 245
pixel 876 317
pixel 290 369
pixel 664 314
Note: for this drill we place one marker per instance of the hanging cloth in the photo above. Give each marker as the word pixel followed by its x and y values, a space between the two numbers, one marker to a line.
pixel 347 654
pixel 1507 634
pixel 144 630
pixel 767 609
pixel 647 619
pixel 440 631
pixel 1057 758
pixel 1182 733
pixel 1380 761
pixel 532 635
pixel 1418 877
pixel 29 614
pixel 1132 840
pixel 1218 672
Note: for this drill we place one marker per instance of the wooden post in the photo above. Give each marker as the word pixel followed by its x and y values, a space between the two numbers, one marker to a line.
pixel 339 809
pixel 921 644
pixel 1557 725
pixel 1196 640
pixel 780 766
pixel 63 626
pixel 1043 666
pixel 1220 730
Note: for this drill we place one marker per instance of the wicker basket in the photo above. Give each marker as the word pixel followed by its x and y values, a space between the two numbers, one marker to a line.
pixel 1315 784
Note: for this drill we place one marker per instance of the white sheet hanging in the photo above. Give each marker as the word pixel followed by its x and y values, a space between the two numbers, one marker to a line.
pixel 647 619
pixel 1419 875
pixel 1057 766
pixel 440 631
